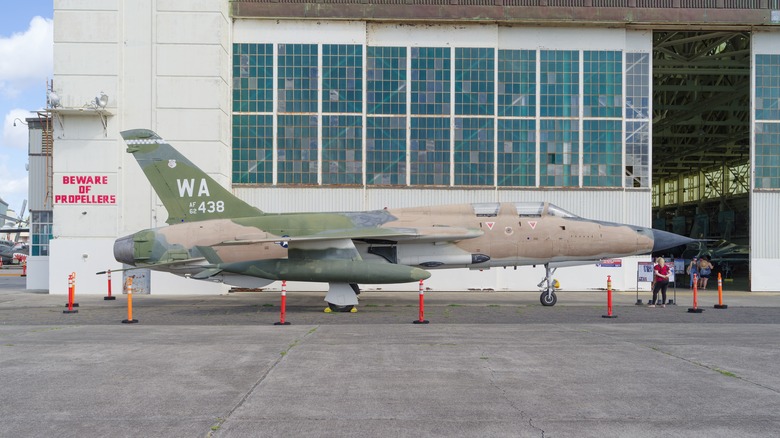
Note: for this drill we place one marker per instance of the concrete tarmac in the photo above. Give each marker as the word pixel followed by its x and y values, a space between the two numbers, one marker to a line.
pixel 488 364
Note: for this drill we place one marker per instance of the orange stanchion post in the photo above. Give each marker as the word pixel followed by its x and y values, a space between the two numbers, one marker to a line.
pixel 421 319
pixel 609 299
pixel 720 304
pixel 24 267
pixel 71 292
pixel 129 319
pixel 109 296
pixel 695 308
pixel 283 310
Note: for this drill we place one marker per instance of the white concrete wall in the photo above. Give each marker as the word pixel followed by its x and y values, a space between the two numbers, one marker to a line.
pixel 165 65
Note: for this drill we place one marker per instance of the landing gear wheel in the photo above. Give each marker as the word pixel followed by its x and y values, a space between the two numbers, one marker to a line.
pixel 548 299
pixel 337 308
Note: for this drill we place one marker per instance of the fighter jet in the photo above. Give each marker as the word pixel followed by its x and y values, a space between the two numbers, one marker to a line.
pixel 214 236
pixel 13 252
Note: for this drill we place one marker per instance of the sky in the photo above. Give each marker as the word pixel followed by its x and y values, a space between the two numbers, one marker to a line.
pixel 26 58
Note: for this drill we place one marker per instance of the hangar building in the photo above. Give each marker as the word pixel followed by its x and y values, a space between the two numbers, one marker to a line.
pixel 634 111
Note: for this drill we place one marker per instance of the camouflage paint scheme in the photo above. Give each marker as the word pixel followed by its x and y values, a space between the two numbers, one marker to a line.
pixel 212 235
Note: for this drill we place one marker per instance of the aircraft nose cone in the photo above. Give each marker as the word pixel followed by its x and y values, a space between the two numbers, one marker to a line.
pixel 664 240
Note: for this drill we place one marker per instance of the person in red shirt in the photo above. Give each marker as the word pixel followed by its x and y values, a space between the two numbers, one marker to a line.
pixel 662 274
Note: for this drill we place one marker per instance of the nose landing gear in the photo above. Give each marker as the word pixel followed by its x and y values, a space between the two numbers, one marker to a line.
pixel 548 285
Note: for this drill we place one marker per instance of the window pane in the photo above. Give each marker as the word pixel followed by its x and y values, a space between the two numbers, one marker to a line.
pixel 474 156
pixel 559 153
pixel 516 83
pixel 430 151
pixel 517 153
pixel 297 78
pixel 601 153
pixel 386 80
pixel 602 84
pixel 559 83
pixel 386 151
pixel 342 150
pixel 430 80
pixel 297 149
pixel 474 81
pixel 342 78
pixel 252 149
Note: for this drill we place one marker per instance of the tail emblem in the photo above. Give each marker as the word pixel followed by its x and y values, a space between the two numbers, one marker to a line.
pixel 171 163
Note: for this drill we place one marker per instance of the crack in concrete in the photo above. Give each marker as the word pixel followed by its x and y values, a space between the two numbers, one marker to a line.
pixel 690 361
pixel 504 395
pixel 216 426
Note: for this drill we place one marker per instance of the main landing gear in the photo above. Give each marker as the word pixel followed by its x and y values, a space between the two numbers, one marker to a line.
pixel 342 297
pixel 548 297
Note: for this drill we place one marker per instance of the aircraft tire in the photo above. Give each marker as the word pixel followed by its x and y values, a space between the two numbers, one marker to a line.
pixel 548 301
pixel 337 308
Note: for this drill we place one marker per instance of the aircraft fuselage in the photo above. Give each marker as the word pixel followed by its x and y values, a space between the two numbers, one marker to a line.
pixel 435 237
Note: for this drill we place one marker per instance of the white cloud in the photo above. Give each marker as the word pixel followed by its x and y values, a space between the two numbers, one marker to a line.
pixel 27 58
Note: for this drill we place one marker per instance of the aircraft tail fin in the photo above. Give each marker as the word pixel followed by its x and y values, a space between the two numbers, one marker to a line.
pixel 188 193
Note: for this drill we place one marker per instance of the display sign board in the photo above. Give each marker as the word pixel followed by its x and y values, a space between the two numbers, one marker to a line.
pixel 610 263
pixel 645 271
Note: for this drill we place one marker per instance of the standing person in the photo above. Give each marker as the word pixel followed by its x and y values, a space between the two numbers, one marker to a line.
pixel 693 269
pixel 705 269
pixel 661 274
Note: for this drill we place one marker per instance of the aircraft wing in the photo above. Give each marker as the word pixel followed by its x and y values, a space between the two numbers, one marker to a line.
pixel 425 234
pixel 169 264
pixel 13 230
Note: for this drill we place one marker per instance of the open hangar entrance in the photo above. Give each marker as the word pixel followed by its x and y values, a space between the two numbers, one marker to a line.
pixel 701 143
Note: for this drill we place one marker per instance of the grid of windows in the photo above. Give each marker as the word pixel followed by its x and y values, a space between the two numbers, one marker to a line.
pixel 430 80
pixel 602 84
pixel 516 83
pixel 41 232
pixel 386 151
pixel 252 77
pixel 601 153
pixel 691 188
pixel 297 149
pixel 767 141
pixel 488 149
pixel 559 153
pixel 474 154
pixel 637 107
pixel 637 154
pixel 253 149
pixel 767 150
pixel 297 78
pixel 342 78
pixel 386 80
pixel 429 150
pixel 474 81
pixel 767 87
pixel 342 150
pixel 670 191
pixel 516 153
pixel 637 85
pixel 559 83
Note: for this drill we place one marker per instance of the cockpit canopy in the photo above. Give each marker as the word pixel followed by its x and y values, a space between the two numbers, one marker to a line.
pixel 523 209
